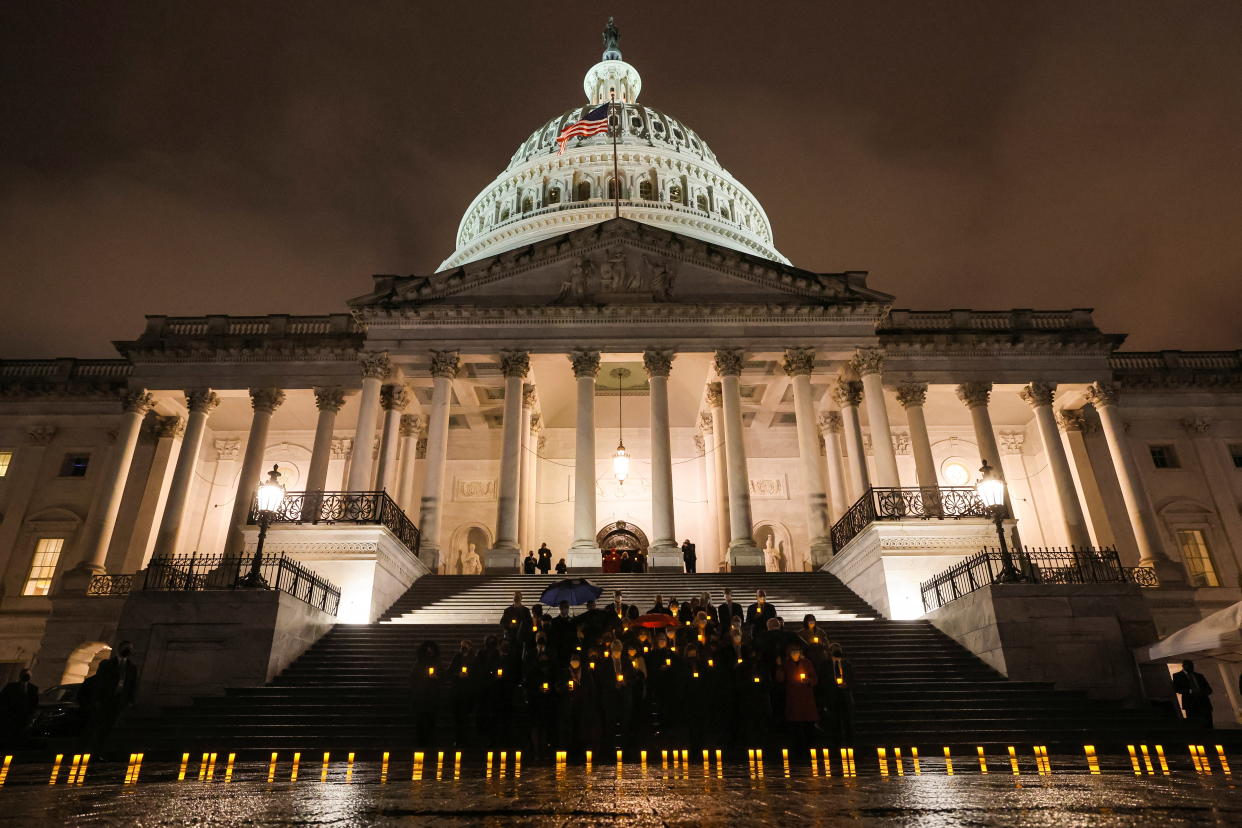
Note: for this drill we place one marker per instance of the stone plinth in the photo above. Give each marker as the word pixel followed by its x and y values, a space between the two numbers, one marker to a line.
pixel 887 561
pixel 190 644
pixel 368 563
pixel 665 559
pixel 1077 636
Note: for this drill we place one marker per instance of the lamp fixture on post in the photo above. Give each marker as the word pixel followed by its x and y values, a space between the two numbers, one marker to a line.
pixel 620 460
pixel 268 499
pixel 991 490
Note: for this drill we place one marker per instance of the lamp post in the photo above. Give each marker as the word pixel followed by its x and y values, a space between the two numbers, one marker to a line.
pixel 620 460
pixel 991 490
pixel 269 497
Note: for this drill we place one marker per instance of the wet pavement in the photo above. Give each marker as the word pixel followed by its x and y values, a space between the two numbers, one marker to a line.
pixel 367 793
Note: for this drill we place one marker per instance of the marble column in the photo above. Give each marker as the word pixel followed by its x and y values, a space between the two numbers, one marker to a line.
pixel 584 552
pixel 394 398
pixel 975 396
pixel 848 395
pixel 526 469
pixel 724 524
pixel 665 552
pixel 1039 396
pixel 264 402
pixel 375 368
pixel 798 365
pixel 444 367
pixel 869 363
pixel 504 556
pixel 830 424
pixel 1103 397
pixel 912 395
pixel 199 402
pixel 412 427
pixel 744 553
pixel 97 533
pixel 710 554
pixel 329 400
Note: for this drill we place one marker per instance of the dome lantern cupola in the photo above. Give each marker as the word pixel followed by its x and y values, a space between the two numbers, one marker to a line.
pixel 612 74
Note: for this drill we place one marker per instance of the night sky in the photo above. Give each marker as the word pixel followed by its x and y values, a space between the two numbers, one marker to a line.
pixel 267 157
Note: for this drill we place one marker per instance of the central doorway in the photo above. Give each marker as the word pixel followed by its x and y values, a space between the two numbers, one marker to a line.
pixel 621 535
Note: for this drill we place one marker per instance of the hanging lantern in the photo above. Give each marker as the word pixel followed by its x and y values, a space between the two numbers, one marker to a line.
pixel 621 463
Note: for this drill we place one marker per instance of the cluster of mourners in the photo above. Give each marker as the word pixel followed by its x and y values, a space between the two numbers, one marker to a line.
pixel 686 675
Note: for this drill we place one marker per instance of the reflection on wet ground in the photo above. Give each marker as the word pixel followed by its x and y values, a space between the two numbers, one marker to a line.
pixel 1046 790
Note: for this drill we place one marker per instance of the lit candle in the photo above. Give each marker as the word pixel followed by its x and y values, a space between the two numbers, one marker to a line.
pixel 711 663
pixel 696 674
pixel 801 676
pixel 620 678
pixel 545 687
pixel 644 648
pixel 840 680
pixel 739 660
pixel 500 671
pixel 815 639
pixel 756 679
pixel 668 662
pixel 463 669
pixel 591 664
pixel 571 685
pixel 431 671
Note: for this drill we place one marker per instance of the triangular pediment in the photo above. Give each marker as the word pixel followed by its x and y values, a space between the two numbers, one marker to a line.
pixel 619 263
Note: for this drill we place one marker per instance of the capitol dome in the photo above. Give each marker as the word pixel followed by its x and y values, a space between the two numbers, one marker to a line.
pixel 669 178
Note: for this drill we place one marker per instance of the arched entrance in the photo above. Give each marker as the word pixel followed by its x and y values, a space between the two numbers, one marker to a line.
pixel 621 535
pixel 83 661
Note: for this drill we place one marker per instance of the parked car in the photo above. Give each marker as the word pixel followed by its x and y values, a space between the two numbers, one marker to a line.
pixel 59 713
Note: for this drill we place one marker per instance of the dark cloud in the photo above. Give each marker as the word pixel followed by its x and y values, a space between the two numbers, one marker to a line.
pixel 234 157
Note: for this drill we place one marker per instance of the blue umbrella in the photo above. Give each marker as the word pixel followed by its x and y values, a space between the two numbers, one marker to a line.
pixel 576 591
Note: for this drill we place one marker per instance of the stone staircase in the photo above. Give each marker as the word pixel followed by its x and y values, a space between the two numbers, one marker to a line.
pixel 913 684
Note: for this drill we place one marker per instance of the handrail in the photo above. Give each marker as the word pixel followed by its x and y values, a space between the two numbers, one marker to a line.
pixel 345 507
pixel 918 503
pixel 195 573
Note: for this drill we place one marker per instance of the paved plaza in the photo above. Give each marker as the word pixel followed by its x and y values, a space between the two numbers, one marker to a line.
pixel 367 793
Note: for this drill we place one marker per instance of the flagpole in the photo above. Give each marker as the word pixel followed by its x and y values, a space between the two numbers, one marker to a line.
pixel 616 175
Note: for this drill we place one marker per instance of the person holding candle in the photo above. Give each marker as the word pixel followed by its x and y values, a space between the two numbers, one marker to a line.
pixel 545 559
pixel 562 634
pixel 462 683
pixel 729 610
pixel 839 697
pixel 514 619
pixel 529 564
pixel 425 693
pixel 659 608
pixel 799 678
pixel 538 682
pixel 758 613
pixel 578 714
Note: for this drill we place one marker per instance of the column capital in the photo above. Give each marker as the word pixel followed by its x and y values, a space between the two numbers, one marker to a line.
pixel 868 361
pixel 412 425
pixel 1072 419
pixel 341 447
pixel 912 394
pixel 169 426
pixel 536 423
pixel 700 445
pixel 847 393
pixel 585 362
pixel 901 442
pixel 329 397
pixel 201 400
pixel 729 361
pixel 714 398
pixel 974 394
pixel 514 363
pixel 375 364
pixel 1011 442
pixel 1038 393
pixel 799 361
pixel 445 364
pixel 831 422
pixel 1197 425
pixel 394 397
pixel 266 399
pixel 41 435
pixel 228 449
pixel 705 422
pixel 658 361
pixel 529 396
pixel 137 402
pixel 1101 394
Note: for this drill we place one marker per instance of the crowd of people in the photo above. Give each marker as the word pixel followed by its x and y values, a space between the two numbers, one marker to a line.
pixel 689 674
pixel 611 560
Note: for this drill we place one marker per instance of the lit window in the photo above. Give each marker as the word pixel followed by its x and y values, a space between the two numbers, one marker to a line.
pixel 1197 558
pixel 674 194
pixel 1164 457
pixel 554 195
pixel 955 473
pixel 6 457
pixel 1235 453
pixel 43 567
pixel 74 465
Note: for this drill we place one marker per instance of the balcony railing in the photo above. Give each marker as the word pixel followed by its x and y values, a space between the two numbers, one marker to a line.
pixel 345 507
pixel 931 503
pixel 109 586
pixel 1072 565
pixel 194 573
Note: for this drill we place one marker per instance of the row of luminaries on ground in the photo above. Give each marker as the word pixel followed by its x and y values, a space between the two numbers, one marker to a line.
pixel 611 560
pixel 691 675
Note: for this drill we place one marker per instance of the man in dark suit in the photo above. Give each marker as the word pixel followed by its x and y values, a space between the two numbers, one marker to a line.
pixel 562 634
pixel 1195 693
pixel 758 613
pixel 545 559
pixel 688 556
pixel 515 619
pixel 729 610
pixel 619 609
pixel 529 564
pixel 18 702
pixel 112 691
pixel 659 607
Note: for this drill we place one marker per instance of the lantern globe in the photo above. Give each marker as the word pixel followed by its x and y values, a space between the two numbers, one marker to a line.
pixel 990 487
pixel 271 494
pixel 621 463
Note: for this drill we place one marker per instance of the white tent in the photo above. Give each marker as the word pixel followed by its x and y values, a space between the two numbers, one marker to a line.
pixel 1217 636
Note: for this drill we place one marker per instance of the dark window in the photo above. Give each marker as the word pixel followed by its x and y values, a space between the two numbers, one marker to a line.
pixel 584 191
pixel 645 190
pixel 1235 452
pixel 527 205
pixel 612 188
pixel 674 194
pixel 74 465
pixel 554 195
pixel 1164 457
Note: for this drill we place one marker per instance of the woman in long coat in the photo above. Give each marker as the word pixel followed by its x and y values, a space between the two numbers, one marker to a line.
pixel 798 676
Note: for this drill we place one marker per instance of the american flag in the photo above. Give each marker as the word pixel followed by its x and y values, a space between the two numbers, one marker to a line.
pixel 593 123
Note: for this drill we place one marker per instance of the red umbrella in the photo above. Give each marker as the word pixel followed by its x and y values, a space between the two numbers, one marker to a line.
pixel 656 620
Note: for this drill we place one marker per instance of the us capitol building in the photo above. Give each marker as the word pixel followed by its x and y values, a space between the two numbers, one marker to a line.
pixel 771 414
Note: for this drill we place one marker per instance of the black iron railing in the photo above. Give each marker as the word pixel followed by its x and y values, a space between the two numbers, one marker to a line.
pixel 109 586
pixel 345 507
pixel 1065 565
pixel 173 573
pixel 930 503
